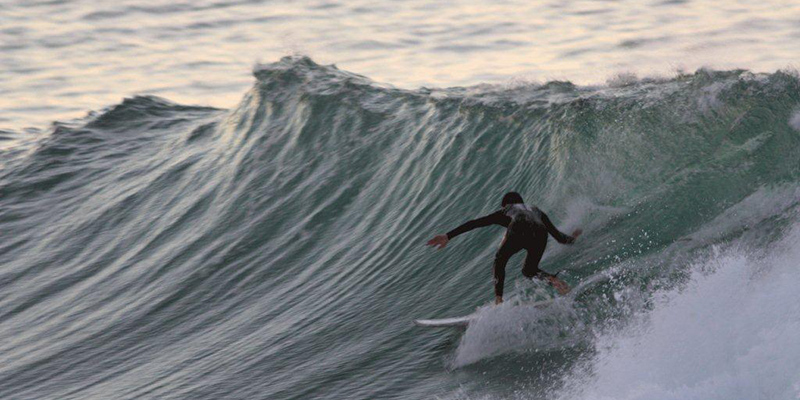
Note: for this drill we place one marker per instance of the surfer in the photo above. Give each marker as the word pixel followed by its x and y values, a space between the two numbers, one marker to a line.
pixel 527 228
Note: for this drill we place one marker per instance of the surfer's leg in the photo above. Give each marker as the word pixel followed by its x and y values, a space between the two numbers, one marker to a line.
pixel 535 251
pixel 531 267
pixel 507 249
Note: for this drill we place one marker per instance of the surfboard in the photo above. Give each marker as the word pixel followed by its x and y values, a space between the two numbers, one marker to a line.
pixel 463 322
pixel 444 322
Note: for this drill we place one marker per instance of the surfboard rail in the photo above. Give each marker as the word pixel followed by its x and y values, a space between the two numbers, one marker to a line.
pixel 444 322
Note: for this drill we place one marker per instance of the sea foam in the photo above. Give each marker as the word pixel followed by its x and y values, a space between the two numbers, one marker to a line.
pixel 731 333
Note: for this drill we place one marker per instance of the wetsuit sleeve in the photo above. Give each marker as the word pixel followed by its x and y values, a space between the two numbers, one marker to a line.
pixel 496 218
pixel 558 235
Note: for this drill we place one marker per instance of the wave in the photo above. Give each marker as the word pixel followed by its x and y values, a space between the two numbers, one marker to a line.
pixel 275 249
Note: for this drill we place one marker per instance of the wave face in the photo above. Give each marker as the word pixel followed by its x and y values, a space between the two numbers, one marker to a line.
pixel 274 250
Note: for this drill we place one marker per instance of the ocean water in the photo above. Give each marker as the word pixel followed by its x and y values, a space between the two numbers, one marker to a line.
pixel 196 204
pixel 62 58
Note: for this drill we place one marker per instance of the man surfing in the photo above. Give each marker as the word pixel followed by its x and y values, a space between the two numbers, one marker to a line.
pixel 527 229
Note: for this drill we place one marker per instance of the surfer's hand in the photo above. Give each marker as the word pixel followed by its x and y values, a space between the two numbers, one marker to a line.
pixel 576 233
pixel 498 299
pixel 439 241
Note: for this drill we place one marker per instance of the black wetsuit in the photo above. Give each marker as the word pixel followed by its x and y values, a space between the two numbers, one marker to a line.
pixel 528 228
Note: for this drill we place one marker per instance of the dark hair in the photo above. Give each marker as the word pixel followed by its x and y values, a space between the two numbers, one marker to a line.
pixel 511 198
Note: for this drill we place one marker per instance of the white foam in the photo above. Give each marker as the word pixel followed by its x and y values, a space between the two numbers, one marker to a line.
pixel 622 79
pixel 514 327
pixel 794 120
pixel 732 333
pixel 708 101
pixel 529 321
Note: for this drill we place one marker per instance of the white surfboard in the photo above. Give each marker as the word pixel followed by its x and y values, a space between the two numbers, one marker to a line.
pixel 444 322
pixel 463 322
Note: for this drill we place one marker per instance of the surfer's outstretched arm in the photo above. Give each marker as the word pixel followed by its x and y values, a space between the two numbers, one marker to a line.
pixel 495 218
pixel 561 237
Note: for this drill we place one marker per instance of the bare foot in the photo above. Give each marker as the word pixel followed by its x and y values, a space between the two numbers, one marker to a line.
pixel 561 287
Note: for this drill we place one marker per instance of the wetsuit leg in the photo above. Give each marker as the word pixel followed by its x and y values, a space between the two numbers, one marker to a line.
pixel 535 251
pixel 508 248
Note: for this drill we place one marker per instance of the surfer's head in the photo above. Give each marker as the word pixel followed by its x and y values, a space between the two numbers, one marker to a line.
pixel 512 198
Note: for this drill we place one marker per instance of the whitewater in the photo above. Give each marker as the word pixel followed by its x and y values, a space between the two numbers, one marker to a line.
pixel 276 250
